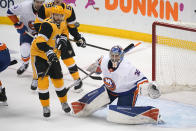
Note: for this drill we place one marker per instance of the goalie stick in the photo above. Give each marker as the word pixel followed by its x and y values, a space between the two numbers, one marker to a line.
pixel 75 83
pixel 92 77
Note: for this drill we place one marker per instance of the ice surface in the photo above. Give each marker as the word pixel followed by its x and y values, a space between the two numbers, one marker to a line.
pixel 178 109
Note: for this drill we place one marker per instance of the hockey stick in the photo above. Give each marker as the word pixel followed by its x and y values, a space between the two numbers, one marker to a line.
pixel 28 33
pixel 92 45
pixel 13 62
pixel 79 81
pixel 92 77
pixel 46 71
pixel 131 46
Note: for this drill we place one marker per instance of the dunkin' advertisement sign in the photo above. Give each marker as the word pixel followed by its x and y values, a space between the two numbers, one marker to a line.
pixel 133 15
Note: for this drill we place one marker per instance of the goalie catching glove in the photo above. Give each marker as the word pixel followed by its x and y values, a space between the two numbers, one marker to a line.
pixel 61 41
pixel 153 91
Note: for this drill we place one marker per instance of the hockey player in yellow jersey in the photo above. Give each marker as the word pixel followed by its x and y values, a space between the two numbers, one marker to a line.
pixel 70 22
pixel 46 49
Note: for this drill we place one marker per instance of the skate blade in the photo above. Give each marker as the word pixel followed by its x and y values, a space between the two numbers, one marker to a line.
pixel 3 104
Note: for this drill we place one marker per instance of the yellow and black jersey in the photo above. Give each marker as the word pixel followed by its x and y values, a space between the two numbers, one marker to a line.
pixel 46 9
pixel 70 18
pixel 46 38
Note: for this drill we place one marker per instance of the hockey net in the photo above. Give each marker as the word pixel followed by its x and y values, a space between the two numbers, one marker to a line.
pixel 174 56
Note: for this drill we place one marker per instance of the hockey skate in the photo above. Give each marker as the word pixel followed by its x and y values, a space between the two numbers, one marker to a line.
pixel 22 68
pixel 65 107
pixel 34 84
pixel 3 98
pixel 78 86
pixel 46 111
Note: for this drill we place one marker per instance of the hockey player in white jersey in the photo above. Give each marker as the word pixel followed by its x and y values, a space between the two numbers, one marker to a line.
pixel 26 11
pixel 122 81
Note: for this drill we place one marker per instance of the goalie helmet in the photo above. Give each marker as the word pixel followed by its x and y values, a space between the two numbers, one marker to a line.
pixel 116 55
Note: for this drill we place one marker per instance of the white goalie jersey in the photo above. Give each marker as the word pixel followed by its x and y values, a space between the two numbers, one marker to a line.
pixel 25 13
pixel 124 78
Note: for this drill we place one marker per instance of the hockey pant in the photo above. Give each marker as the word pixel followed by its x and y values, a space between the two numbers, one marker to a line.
pixel 40 65
pixel 67 55
pixel 4 58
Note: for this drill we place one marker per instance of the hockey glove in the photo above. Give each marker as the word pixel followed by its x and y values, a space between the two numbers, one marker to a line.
pixel 81 42
pixel 61 42
pixel 153 91
pixel 51 56
pixel 20 27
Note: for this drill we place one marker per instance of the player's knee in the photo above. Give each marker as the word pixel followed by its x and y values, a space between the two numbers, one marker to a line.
pixel 43 84
pixel 58 83
pixel 68 62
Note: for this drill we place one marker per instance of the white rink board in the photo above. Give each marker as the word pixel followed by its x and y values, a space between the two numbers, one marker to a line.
pixel 126 20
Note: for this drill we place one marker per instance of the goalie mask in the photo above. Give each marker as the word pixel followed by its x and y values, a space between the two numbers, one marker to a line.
pixel 116 55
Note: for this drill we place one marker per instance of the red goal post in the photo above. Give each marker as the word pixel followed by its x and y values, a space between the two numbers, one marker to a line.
pixel 174 54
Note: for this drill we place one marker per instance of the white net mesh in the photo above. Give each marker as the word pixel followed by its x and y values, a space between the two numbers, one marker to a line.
pixel 175 58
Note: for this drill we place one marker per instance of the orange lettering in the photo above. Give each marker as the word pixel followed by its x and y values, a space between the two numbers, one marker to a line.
pixel 152 8
pixel 141 6
pixel 161 9
pixel 172 11
pixel 111 6
pixel 146 7
pixel 124 8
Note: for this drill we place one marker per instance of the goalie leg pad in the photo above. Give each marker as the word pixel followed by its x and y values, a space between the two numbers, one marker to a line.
pixel 134 115
pixel 77 107
pixel 91 102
